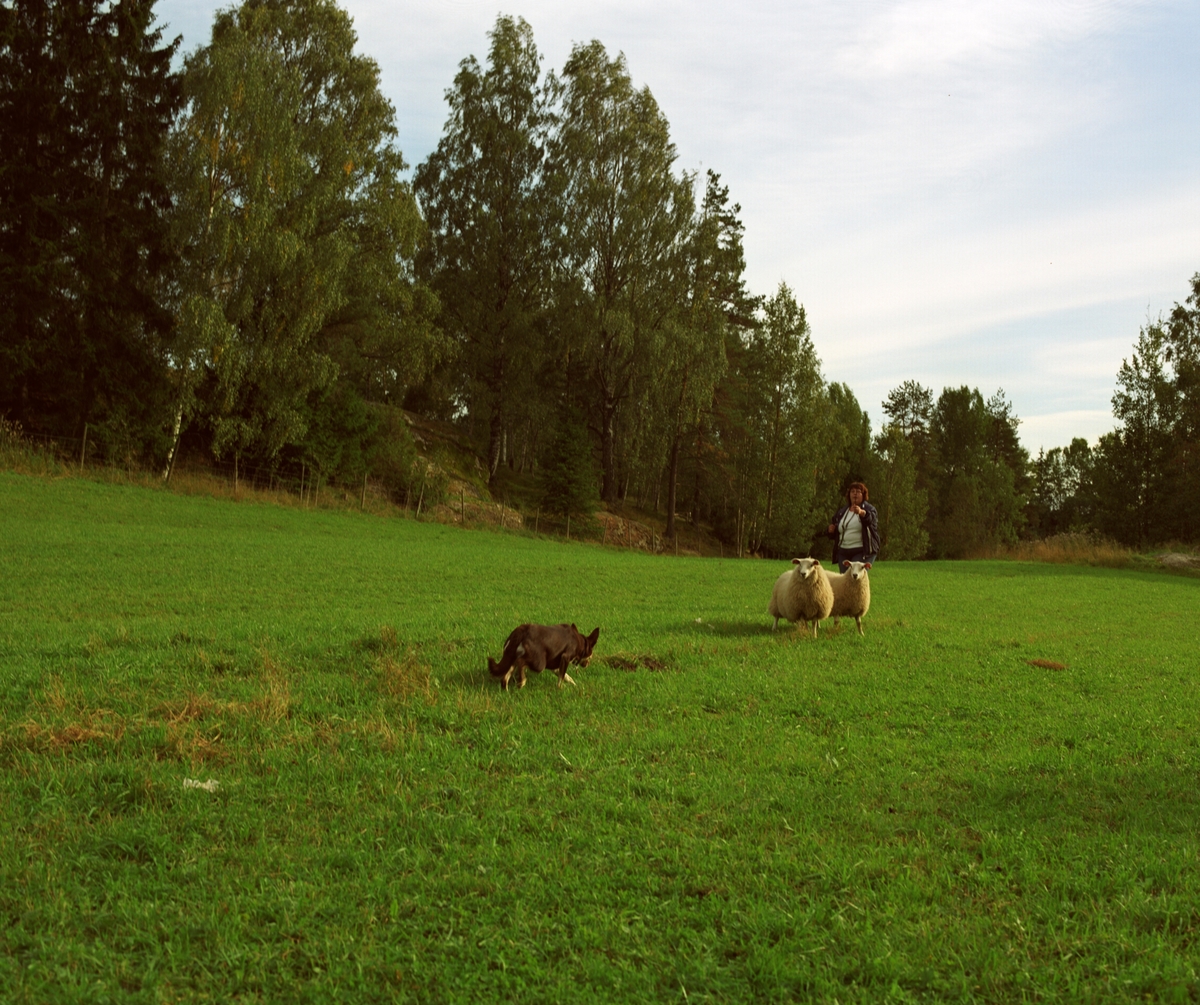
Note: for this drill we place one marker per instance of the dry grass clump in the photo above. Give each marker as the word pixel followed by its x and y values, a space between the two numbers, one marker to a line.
pixel 633 661
pixel 184 742
pixel 275 701
pixel 20 454
pixel 40 737
pixel 403 675
pixel 189 709
pixel 401 672
pixel 1074 548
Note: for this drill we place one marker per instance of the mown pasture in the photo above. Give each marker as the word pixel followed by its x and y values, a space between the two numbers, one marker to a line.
pixel 716 813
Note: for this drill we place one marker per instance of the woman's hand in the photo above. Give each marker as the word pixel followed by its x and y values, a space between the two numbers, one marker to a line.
pixel 833 528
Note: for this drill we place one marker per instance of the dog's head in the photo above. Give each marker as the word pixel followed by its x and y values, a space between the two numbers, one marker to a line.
pixel 858 570
pixel 805 568
pixel 588 644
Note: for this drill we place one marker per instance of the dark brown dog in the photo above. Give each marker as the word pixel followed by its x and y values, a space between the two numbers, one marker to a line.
pixel 541 647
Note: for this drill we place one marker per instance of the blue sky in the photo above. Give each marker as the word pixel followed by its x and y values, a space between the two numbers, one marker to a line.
pixel 959 192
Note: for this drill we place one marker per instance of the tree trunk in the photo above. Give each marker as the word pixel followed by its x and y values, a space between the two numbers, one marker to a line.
pixel 608 415
pixel 495 444
pixel 672 476
pixel 174 442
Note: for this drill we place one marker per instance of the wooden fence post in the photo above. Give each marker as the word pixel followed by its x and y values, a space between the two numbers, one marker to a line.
pixel 84 450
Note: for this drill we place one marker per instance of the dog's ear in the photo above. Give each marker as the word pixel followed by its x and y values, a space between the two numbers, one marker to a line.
pixel 591 639
pixel 573 628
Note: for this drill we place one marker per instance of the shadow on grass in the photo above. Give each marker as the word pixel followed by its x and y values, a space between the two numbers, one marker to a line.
pixel 742 629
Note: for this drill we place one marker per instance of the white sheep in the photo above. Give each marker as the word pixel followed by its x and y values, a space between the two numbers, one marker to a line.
pixel 851 593
pixel 802 594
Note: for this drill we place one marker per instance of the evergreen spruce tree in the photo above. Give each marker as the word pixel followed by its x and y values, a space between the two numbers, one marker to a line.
pixel 568 476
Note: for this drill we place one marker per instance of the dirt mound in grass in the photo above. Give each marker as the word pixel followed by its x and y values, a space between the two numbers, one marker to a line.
pixel 1179 560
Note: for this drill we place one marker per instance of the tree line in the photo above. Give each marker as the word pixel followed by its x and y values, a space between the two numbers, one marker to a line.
pixel 231 260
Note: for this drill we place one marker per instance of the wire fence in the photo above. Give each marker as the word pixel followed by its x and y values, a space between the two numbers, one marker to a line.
pixel 304 481
pixel 292 476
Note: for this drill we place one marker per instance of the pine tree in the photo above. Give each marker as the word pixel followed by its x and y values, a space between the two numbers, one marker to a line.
pixel 87 96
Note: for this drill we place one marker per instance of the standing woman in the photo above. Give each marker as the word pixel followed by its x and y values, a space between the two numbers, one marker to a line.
pixel 855 529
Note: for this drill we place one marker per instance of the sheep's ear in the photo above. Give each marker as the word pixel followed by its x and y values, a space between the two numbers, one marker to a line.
pixel 795 561
pixel 866 565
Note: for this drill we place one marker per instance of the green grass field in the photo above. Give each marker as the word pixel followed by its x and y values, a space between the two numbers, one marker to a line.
pixel 716 813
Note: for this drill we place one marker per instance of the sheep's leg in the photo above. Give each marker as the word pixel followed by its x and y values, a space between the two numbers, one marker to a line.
pixel 858 621
pixel 776 625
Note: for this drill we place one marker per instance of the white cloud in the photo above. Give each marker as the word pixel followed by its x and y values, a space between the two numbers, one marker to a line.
pixel 959 191
pixel 1057 429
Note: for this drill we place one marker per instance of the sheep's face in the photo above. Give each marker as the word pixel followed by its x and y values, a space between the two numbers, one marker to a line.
pixel 805 568
pixel 858 570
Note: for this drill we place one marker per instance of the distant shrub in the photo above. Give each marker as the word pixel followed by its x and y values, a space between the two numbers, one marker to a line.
pixel 567 479
pixel 408 478
pixel 21 454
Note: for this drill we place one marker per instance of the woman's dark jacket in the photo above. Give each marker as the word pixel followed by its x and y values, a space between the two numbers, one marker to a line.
pixel 870 531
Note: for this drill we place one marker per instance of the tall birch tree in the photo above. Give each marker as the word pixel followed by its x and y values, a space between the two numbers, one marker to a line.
pixel 295 221
pixel 626 220
pixel 484 196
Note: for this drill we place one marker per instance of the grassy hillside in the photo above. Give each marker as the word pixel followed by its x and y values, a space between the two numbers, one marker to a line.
pixel 993 795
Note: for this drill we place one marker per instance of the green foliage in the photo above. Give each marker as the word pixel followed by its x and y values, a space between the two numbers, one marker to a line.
pixel 786 409
pixel 568 473
pixel 19 453
pixel 909 408
pixel 901 505
pixel 86 99
pixel 981 800
pixel 490 215
pixel 341 431
pixel 978 474
pixel 409 479
pixel 294 221
pixel 1062 479
pixel 625 225
pixel 694 352
pixel 1137 473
